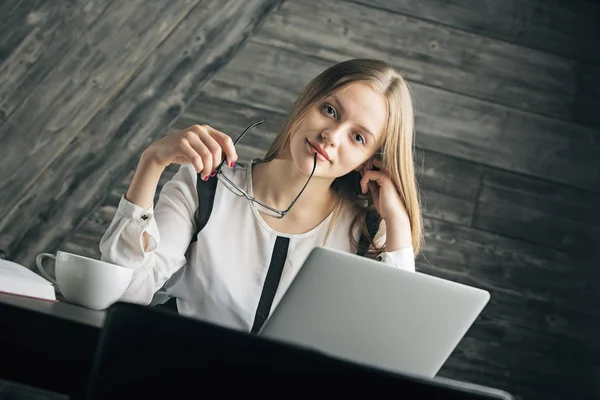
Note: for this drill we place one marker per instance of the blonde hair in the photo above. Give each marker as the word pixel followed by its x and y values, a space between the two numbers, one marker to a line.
pixel 396 150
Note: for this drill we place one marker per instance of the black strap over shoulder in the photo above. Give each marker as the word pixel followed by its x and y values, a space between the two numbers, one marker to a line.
pixel 206 195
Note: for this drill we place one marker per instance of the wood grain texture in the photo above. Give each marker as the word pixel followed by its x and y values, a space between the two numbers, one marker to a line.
pixel 109 146
pixel 535 328
pixel 448 186
pixel 428 53
pixel 509 139
pixel 566 28
pixel 509 266
pixel 588 96
pixel 92 73
pixel 15 24
pixel 540 212
pixel 39 36
pixel 446 123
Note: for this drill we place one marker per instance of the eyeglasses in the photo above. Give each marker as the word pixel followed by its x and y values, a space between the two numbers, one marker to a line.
pixel 262 207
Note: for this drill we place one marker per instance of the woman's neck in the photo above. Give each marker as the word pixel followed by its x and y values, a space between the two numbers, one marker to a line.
pixel 278 182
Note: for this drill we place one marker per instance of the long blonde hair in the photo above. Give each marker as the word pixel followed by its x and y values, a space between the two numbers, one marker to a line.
pixel 396 150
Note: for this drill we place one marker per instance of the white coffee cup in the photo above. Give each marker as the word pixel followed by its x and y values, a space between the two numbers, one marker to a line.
pixel 81 280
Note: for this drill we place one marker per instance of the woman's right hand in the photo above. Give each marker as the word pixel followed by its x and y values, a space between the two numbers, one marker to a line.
pixel 199 145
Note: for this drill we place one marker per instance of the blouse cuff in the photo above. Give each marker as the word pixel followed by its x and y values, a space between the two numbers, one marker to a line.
pixel 143 217
pixel 402 258
pixel 133 211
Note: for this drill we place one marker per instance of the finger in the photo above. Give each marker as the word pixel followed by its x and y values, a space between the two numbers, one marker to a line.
pixel 374 189
pixel 188 151
pixel 204 153
pixel 213 147
pixel 226 144
pixel 371 175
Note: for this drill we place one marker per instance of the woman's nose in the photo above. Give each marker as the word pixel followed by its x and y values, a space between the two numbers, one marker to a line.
pixel 332 136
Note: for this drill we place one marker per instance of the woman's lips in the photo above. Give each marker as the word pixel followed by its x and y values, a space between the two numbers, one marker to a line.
pixel 318 150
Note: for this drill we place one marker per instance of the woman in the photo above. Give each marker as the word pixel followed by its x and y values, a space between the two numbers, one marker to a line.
pixel 345 153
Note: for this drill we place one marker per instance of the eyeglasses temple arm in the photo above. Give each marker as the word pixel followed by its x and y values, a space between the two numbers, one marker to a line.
pixel 238 139
pixel 305 185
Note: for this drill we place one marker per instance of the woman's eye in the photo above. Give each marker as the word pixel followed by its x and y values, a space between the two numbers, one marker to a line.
pixel 329 110
pixel 359 138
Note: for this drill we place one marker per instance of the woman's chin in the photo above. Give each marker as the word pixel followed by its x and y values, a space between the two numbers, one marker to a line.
pixel 306 164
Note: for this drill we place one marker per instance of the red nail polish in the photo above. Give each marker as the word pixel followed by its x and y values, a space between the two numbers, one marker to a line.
pixel 206 178
pixel 232 164
pixel 213 174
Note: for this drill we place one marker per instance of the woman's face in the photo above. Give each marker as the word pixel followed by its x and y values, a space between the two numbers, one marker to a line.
pixel 344 130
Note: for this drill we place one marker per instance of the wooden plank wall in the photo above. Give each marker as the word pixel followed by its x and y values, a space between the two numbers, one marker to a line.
pixel 101 103
pixel 508 138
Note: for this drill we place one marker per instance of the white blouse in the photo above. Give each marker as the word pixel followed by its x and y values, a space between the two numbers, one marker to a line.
pixel 219 277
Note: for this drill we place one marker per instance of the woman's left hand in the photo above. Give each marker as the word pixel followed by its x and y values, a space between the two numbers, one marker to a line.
pixel 385 195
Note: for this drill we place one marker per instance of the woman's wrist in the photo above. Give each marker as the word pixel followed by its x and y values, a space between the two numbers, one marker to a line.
pixel 398 234
pixel 145 181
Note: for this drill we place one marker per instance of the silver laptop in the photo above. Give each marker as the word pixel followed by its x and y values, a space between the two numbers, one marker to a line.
pixel 367 312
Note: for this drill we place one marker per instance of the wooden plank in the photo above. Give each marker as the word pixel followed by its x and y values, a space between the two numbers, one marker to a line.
pixel 540 212
pixel 566 28
pixel 16 23
pixel 459 126
pixel 95 70
pixel 533 312
pixel 109 146
pixel 428 53
pixel 509 139
pixel 73 92
pixel 38 38
pixel 588 96
pixel 442 196
pixel 508 266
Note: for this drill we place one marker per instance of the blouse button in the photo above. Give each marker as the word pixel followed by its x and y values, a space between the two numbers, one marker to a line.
pixel 145 217
pixel 379 258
